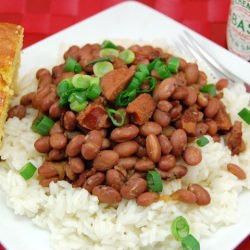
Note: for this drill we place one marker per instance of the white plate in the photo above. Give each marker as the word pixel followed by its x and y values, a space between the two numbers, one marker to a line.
pixel 127 20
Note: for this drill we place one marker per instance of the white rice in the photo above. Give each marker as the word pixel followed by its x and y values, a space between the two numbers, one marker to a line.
pixel 77 221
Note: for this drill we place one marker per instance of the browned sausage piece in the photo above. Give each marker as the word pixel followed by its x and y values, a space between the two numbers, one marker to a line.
pixel 141 108
pixel 222 118
pixel 115 81
pixel 234 138
pixel 18 111
pixel 94 117
pixel 106 194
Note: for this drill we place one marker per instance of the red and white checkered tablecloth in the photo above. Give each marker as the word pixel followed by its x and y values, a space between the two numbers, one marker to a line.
pixel 42 18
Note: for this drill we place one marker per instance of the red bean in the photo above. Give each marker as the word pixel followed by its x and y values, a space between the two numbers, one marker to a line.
pixel 179 141
pixel 150 128
pixel 147 198
pixel 126 149
pixel 167 162
pixel 75 145
pixel 69 121
pixel 124 133
pixel 192 155
pixel 58 141
pixel 18 111
pixel 153 148
pixel 107 194
pixel 161 118
pixel 144 164
pixel 105 159
pixel 165 144
pixel 115 179
pixel 42 145
pixel 133 188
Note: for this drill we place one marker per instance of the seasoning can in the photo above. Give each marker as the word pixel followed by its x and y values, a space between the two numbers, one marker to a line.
pixel 238 28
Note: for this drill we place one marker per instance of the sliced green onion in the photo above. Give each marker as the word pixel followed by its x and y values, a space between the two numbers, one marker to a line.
pixel 125 97
pixel 27 171
pixel 78 68
pixel 95 81
pixel 245 115
pixel 202 141
pixel 103 59
pixel 127 55
pixel 102 68
pixel 151 82
pixel 155 64
pixel 78 96
pixel 108 44
pixel 173 64
pixel 190 243
pixel 93 91
pixel 109 52
pixel 115 121
pixel 154 181
pixel 140 76
pixel 70 64
pixel 180 228
pixel 64 86
pixel 209 89
pixel 163 71
pixel 134 84
pixel 143 68
pixel 77 106
pixel 42 125
pixel 81 81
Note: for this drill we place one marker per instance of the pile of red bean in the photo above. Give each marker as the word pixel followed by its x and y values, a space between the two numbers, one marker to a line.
pixel 112 163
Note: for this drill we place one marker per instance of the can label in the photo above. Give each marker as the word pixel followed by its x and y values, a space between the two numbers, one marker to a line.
pixel 238 28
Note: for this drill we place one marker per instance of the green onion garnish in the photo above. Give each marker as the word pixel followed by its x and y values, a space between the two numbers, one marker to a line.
pixel 190 243
pixel 202 141
pixel 27 171
pixel 141 76
pixel 173 64
pixel 209 89
pixel 245 115
pixel 155 64
pixel 154 181
pixel 125 97
pixel 121 117
pixel 64 86
pixel 109 52
pixel 77 106
pixel 81 81
pixel 108 44
pixel 94 80
pixel 127 55
pixel 102 68
pixel 163 71
pixel 103 59
pixel 78 96
pixel 42 125
pixel 70 64
pixel 151 81
pixel 143 68
pixel 134 84
pixel 180 228
pixel 78 68
pixel 93 91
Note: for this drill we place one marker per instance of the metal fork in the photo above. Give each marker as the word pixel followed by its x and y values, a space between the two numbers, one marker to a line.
pixel 191 46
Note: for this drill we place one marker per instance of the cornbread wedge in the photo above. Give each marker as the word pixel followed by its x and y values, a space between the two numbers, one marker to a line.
pixel 11 39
